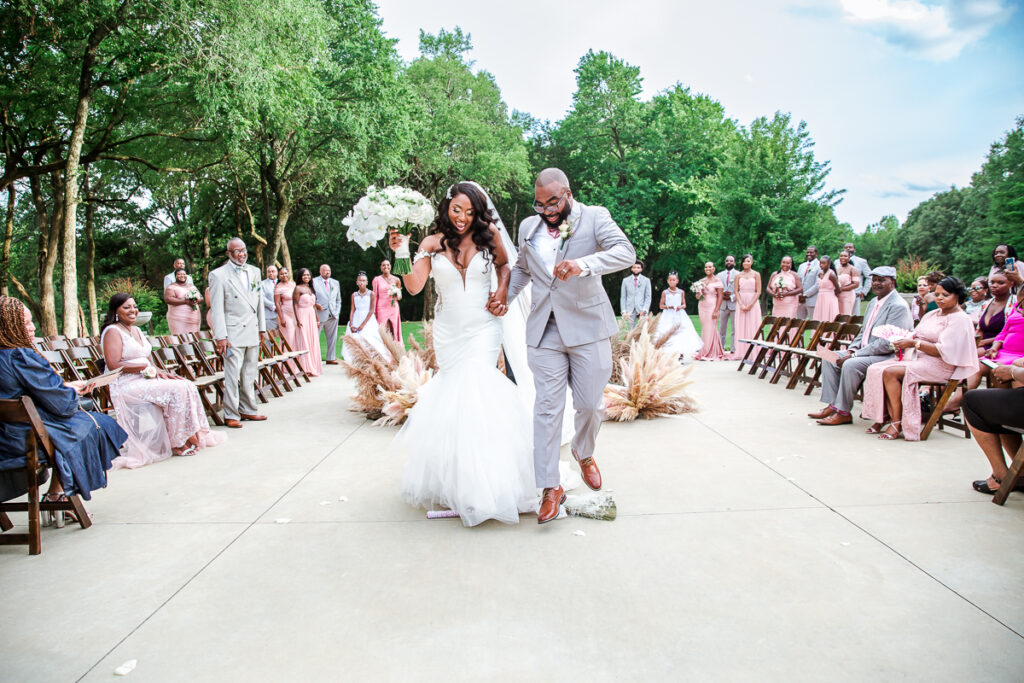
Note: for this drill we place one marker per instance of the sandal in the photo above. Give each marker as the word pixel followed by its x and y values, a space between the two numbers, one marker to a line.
pixel 876 428
pixel 188 450
pixel 981 486
pixel 889 436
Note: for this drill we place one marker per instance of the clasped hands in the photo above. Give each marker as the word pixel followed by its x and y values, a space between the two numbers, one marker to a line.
pixel 497 303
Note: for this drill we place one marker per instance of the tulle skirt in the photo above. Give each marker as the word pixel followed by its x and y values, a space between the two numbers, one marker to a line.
pixel 684 341
pixel 467 441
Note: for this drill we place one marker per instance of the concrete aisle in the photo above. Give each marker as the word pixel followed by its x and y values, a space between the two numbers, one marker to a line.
pixel 751 544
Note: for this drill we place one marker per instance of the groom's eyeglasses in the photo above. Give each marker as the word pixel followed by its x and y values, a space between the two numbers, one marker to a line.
pixel 550 206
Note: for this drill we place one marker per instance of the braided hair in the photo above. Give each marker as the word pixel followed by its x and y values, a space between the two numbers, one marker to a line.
pixel 13 332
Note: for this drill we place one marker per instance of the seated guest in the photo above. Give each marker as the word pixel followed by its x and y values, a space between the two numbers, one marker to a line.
pixel 170 278
pixel 1014 273
pixel 993 311
pixel 944 349
pixel 920 299
pixel 987 411
pixel 977 295
pixel 182 311
pixel 85 443
pixel 840 380
pixel 926 300
pixel 1008 344
pixel 161 412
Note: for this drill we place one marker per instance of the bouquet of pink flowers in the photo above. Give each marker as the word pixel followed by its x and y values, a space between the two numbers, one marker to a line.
pixel 892 333
pixel 698 288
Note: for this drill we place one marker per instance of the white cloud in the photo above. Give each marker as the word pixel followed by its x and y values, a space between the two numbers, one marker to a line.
pixel 938 31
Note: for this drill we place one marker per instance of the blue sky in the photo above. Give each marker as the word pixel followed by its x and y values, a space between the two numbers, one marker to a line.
pixel 904 97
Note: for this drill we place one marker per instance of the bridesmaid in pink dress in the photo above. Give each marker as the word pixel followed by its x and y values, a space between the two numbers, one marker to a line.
pixel 708 304
pixel 307 334
pixel 785 297
pixel 849 281
pixel 827 307
pixel 284 305
pixel 386 306
pixel 748 305
pixel 183 315
pixel 161 412
pixel 944 349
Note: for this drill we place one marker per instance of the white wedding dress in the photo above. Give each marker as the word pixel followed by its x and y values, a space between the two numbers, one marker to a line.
pixel 467 440
pixel 684 341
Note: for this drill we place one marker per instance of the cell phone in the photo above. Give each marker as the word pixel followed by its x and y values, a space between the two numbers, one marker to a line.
pixel 988 362
pixel 1009 263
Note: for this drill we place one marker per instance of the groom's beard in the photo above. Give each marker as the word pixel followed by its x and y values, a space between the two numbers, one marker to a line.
pixel 559 218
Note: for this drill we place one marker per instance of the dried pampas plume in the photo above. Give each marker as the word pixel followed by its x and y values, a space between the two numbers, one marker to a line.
pixel 652 382
pixel 385 388
pixel 621 346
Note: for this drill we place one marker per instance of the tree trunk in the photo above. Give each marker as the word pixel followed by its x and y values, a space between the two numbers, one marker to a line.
pixel 90 255
pixel 276 238
pixel 286 254
pixel 49 239
pixel 5 259
pixel 206 251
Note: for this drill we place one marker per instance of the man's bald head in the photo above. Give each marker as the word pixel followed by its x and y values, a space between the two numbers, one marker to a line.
pixel 550 176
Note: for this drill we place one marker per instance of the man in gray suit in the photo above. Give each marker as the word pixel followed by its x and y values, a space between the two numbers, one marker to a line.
pixel 179 264
pixel 864 269
pixel 269 307
pixel 328 309
pixel 571 322
pixel 635 297
pixel 839 380
pixel 239 325
pixel 808 274
pixel 727 311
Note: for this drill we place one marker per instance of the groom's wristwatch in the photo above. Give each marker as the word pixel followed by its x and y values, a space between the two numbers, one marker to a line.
pixel 584 269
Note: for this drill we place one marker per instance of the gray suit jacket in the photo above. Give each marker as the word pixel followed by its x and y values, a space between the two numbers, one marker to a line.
pixel 895 311
pixel 728 280
pixel 635 299
pixel 808 273
pixel 865 275
pixel 236 309
pixel 580 305
pixel 331 303
pixel 269 307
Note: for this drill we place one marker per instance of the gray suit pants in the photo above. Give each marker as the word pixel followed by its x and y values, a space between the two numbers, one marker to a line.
pixel 331 333
pixel 725 314
pixel 240 370
pixel 839 385
pixel 586 369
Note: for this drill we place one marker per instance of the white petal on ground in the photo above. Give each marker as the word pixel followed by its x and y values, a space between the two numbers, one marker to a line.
pixel 126 668
pixel 282 520
pixel 579 532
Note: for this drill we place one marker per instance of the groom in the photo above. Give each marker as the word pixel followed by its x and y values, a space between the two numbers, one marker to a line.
pixel 563 252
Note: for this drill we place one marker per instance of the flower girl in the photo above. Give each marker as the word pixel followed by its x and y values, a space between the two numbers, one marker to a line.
pixel 362 324
pixel 684 342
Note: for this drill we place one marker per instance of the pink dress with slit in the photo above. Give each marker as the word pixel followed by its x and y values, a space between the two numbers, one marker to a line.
pixel 747 322
pixel 307 337
pixel 957 359
pixel 386 310
pixel 706 307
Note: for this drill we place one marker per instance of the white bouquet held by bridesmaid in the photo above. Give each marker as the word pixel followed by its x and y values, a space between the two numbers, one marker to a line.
pixel 698 288
pixel 390 208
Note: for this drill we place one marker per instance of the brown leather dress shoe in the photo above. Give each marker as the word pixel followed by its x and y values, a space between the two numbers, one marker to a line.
pixel 591 475
pixel 234 424
pixel 253 418
pixel 836 419
pixel 822 413
pixel 331 362
pixel 549 503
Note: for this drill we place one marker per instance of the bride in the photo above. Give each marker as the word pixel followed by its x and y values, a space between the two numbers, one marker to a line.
pixel 462 454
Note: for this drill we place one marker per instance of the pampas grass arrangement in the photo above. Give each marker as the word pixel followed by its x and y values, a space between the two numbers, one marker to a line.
pixel 651 381
pixel 386 388
pixel 621 346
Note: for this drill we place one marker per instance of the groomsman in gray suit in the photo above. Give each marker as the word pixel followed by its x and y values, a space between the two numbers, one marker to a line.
pixel 269 307
pixel 571 322
pixel 635 297
pixel 239 325
pixel 840 380
pixel 727 311
pixel 808 274
pixel 864 269
pixel 328 309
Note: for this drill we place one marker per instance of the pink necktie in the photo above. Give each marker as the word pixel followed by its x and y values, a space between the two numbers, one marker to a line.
pixel 871 318
pixel 636 281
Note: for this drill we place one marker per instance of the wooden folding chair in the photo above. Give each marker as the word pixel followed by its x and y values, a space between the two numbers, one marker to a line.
pixel 787 336
pixel 282 347
pixel 277 364
pixel 801 351
pixel 1014 475
pixel 841 318
pixel 785 352
pixel 834 341
pixel 939 394
pixel 22 410
pixel 769 321
pixel 192 365
pixel 767 341
pixel 857 319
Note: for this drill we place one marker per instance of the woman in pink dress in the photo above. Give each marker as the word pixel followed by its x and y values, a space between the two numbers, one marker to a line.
pixel 849 281
pixel 748 305
pixel 307 333
pixel 708 303
pixel 285 307
pixel 385 305
pixel 161 412
pixel 827 307
pixel 944 349
pixel 208 316
pixel 785 289
pixel 183 314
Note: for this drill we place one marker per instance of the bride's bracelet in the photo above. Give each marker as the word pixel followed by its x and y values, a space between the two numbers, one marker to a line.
pixel 420 255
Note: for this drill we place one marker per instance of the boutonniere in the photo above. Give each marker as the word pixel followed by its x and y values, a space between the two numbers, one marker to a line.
pixel 566 230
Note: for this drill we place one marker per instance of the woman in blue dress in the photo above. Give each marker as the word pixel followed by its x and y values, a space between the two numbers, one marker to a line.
pixel 85 443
